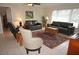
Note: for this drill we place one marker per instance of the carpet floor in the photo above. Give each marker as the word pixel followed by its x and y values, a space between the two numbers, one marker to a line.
pixel 49 40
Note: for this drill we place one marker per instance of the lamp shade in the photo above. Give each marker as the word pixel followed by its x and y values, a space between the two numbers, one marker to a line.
pixel 46 18
pixel 16 24
pixel 30 4
pixel 19 19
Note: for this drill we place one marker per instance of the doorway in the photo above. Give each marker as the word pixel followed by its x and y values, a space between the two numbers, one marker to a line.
pixel 6 17
pixel 4 22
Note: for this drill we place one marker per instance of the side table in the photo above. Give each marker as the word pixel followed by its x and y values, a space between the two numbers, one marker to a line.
pixel 19 39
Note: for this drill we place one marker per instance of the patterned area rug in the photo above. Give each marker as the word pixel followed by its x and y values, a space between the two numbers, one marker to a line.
pixel 49 40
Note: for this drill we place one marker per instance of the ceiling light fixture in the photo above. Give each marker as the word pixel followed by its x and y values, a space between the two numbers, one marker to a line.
pixel 32 4
pixel 29 4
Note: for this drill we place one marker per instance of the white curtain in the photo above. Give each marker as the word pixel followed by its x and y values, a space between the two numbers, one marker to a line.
pixel 61 15
pixel 70 15
pixel 75 17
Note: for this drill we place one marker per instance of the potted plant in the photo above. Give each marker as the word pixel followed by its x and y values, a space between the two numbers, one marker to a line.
pixel 44 21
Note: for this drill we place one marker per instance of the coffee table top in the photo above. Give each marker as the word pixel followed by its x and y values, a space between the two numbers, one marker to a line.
pixel 52 28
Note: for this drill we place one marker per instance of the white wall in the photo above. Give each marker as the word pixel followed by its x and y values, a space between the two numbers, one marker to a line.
pixel 9 16
pixel 18 11
pixel 1 29
pixel 48 10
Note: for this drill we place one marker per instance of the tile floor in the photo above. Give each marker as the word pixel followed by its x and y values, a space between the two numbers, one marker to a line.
pixel 9 46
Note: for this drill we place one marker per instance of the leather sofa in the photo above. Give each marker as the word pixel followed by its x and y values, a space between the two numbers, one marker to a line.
pixel 32 25
pixel 63 27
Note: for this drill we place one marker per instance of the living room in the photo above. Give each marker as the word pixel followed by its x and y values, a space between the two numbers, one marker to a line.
pixel 22 12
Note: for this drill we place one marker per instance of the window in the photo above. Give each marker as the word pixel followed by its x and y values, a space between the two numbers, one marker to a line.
pixel 71 15
pixel 61 15
pixel 75 17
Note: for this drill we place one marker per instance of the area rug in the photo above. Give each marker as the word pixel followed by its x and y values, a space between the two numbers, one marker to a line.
pixel 49 40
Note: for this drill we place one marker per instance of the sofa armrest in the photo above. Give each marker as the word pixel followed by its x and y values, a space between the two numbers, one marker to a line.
pixel 71 29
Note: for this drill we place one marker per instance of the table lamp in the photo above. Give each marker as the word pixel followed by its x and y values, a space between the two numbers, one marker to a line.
pixel 20 21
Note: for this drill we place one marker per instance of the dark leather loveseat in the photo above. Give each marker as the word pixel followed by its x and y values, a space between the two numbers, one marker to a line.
pixel 32 25
pixel 63 27
pixel 12 28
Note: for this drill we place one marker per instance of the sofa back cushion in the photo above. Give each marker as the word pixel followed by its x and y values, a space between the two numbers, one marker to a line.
pixel 56 23
pixel 30 22
pixel 62 24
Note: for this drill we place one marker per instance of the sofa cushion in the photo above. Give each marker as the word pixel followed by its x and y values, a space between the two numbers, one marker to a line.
pixel 62 24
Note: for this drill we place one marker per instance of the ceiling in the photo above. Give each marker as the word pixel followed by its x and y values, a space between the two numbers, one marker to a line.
pixel 53 5
pixel 59 4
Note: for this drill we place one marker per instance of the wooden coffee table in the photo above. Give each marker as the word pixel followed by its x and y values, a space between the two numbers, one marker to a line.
pixel 51 30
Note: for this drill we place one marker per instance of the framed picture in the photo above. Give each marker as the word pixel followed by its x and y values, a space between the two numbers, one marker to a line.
pixel 29 14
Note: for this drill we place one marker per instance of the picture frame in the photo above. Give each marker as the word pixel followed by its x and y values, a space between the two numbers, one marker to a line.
pixel 29 14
